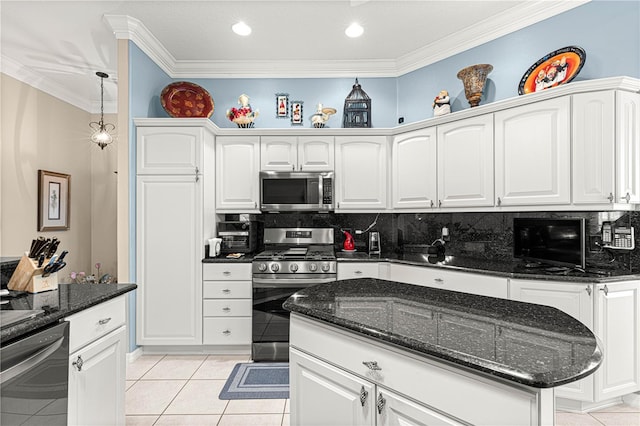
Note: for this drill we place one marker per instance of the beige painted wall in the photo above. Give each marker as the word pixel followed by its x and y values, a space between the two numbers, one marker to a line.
pixel 39 131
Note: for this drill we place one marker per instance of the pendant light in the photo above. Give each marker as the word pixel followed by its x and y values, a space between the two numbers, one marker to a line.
pixel 102 131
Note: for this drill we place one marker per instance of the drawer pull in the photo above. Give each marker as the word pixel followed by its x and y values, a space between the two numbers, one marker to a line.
pixel 363 395
pixel 78 363
pixel 372 365
pixel 226 309
pixel 104 321
pixel 226 291
pixel 438 281
pixel 357 272
pixel 226 273
pixel 588 289
pixel 605 289
pixel 381 402
pixel 226 332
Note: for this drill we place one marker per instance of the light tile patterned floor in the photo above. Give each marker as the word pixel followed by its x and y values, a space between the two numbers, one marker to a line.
pixel 183 391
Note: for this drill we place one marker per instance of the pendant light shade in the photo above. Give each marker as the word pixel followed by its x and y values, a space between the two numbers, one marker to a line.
pixel 102 132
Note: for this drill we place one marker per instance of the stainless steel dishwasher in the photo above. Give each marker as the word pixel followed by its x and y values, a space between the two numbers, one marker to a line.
pixel 34 378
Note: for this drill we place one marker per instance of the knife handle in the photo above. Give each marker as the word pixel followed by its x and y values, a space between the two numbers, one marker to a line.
pixel 40 260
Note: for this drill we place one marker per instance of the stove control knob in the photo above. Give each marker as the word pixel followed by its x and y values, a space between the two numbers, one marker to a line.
pixel 313 267
pixel 293 267
pixel 325 267
pixel 262 267
pixel 275 267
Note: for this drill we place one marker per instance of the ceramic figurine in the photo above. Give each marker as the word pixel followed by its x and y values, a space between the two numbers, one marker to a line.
pixel 441 104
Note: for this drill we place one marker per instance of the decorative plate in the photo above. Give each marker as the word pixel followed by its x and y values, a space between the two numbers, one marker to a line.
pixel 184 99
pixel 556 68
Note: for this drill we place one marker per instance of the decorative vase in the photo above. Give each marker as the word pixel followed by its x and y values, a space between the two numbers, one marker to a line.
pixel 473 78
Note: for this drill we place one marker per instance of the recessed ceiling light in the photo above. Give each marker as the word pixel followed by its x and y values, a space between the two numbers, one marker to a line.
pixel 241 29
pixel 354 30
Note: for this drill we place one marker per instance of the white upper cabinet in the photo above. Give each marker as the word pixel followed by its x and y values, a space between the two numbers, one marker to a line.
pixel 593 146
pixel 465 163
pixel 628 147
pixel 413 170
pixel 169 150
pixel 361 173
pixel 292 153
pixel 237 173
pixel 533 154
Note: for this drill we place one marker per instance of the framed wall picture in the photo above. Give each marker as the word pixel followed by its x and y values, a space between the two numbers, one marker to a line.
pixel 282 105
pixel 54 201
pixel 296 112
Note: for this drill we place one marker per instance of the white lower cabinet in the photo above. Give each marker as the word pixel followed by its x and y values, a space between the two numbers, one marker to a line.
pixel 226 293
pixel 483 285
pixel 611 311
pixel 348 270
pixel 332 385
pixel 97 365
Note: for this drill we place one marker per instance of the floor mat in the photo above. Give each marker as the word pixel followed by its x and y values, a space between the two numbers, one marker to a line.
pixel 257 380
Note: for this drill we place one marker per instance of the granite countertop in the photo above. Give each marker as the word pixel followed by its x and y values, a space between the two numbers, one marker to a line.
pixel 247 258
pixel 515 269
pixel 535 345
pixel 57 304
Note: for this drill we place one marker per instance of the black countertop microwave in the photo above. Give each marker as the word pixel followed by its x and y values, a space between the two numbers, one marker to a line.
pixel 296 191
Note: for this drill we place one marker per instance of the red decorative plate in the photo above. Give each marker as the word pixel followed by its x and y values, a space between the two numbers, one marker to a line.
pixel 184 99
pixel 556 68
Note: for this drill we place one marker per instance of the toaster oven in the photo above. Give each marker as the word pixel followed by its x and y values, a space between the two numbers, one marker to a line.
pixel 238 236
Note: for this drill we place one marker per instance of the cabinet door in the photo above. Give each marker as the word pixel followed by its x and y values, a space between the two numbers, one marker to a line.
pixel 593 148
pixel 533 154
pixel 617 324
pixel 316 153
pixel 97 382
pixel 465 163
pixel 237 168
pixel 169 254
pixel 413 170
pixel 397 410
pixel 168 150
pixel 571 298
pixel 278 153
pixel 628 147
pixel 325 395
pixel 361 173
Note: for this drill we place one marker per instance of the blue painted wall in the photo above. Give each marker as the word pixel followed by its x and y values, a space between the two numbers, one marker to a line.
pixel 609 32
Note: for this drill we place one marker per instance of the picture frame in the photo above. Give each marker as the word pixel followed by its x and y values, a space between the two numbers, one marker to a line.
pixel 296 113
pixel 54 201
pixel 282 105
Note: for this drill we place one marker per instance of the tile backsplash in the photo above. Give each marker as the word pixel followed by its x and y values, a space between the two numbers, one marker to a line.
pixel 476 235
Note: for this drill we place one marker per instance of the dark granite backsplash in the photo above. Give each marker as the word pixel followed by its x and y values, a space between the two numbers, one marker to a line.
pixel 475 235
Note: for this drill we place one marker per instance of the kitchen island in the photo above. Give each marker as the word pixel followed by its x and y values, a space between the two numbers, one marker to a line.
pixel 370 351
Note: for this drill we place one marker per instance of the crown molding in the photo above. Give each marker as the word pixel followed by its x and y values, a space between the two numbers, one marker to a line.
pixel 531 12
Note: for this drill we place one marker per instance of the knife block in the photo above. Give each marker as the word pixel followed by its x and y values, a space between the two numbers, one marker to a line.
pixel 28 277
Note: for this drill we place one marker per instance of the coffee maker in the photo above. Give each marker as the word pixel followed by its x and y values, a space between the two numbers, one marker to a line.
pixel 374 242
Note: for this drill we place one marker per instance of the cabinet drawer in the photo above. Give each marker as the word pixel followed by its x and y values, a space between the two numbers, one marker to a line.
pixel 226 271
pixel 95 322
pixel 226 290
pixel 357 270
pixel 400 371
pixel 227 308
pixel 226 331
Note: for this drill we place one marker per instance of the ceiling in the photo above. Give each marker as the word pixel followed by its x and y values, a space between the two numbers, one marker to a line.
pixel 57 46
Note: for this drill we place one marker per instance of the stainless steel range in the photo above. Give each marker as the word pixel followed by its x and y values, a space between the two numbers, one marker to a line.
pixel 294 258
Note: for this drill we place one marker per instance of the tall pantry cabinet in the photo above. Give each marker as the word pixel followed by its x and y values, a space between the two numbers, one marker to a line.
pixel 170 227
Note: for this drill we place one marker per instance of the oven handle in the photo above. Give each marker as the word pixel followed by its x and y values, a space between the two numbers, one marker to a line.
pixel 289 282
pixel 30 362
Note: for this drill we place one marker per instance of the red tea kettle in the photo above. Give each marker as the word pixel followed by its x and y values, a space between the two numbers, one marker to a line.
pixel 348 244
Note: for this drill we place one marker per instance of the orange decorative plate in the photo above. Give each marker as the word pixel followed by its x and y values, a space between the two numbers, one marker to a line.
pixel 184 99
pixel 556 68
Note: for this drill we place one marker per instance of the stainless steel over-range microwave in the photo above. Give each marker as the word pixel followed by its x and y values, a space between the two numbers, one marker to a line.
pixel 296 191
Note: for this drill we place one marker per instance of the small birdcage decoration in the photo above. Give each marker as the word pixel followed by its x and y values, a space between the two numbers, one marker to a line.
pixel 357 108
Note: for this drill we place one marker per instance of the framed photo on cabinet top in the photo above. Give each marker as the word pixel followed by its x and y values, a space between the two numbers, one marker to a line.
pixel 282 105
pixel 296 113
pixel 54 201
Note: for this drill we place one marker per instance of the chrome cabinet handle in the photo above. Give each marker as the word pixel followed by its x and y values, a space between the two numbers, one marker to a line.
pixel 381 402
pixel 226 309
pixel 605 289
pixel 226 332
pixel 438 280
pixel 104 321
pixel 372 365
pixel 363 395
pixel 226 291
pixel 357 272
pixel 226 273
pixel 78 363
pixel 610 197
pixel 197 174
pixel 588 289
pixel 255 204
pixel 499 201
pixel 439 203
pixel 627 197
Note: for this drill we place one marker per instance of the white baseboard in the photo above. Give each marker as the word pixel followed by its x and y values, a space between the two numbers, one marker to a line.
pixel 633 399
pixel 196 350
pixel 132 356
